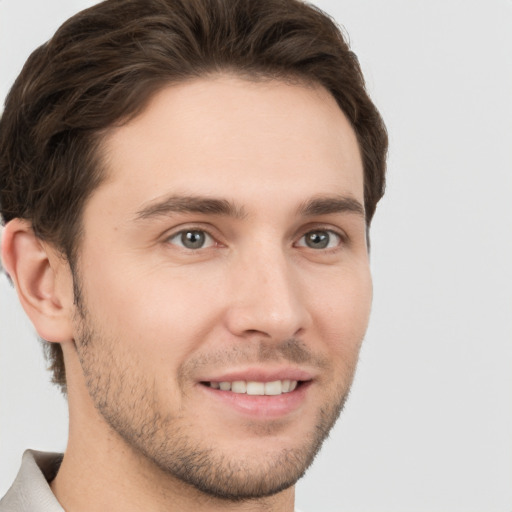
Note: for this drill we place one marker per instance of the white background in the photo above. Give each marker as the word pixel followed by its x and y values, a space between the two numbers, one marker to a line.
pixel 429 423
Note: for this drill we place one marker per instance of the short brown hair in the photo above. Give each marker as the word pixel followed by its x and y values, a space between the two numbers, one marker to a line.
pixel 104 64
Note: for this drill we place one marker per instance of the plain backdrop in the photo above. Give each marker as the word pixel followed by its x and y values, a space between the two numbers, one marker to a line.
pixel 428 426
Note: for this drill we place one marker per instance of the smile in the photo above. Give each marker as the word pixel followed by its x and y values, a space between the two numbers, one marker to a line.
pixel 277 387
pixel 261 395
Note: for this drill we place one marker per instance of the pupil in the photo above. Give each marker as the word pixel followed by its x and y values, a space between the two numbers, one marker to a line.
pixel 193 239
pixel 318 240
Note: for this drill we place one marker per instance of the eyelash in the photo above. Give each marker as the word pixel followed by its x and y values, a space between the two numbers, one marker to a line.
pixel 181 232
pixel 342 238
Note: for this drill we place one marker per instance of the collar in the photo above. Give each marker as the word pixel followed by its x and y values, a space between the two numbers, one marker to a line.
pixel 31 491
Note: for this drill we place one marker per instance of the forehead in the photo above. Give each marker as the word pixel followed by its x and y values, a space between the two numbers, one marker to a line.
pixel 230 137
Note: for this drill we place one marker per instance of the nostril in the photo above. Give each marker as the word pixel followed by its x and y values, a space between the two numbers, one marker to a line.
pixel 255 331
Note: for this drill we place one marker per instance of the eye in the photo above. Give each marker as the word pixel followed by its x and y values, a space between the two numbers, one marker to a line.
pixel 320 239
pixel 192 239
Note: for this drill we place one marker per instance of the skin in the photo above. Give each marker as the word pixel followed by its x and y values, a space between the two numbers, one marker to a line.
pixel 157 319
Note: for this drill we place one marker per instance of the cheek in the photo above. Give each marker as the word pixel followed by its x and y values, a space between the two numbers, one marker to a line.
pixel 343 312
pixel 161 313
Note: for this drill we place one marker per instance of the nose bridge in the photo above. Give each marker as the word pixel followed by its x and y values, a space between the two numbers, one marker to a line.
pixel 266 295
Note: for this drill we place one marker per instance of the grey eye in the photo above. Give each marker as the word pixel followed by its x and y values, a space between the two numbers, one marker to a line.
pixel 320 239
pixel 192 239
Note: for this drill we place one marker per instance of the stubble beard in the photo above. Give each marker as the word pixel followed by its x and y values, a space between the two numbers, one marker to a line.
pixel 128 402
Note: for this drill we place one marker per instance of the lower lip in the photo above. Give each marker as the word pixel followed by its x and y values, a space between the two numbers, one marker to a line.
pixel 261 406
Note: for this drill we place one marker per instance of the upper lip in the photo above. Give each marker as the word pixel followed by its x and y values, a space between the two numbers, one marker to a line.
pixel 260 375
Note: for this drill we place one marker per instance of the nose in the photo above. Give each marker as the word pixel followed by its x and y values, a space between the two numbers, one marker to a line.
pixel 266 298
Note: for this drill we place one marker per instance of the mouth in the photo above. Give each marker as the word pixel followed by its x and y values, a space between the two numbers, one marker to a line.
pixel 261 396
pixel 255 388
pixel 259 393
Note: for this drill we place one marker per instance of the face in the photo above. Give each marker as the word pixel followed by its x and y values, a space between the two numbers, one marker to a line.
pixel 224 281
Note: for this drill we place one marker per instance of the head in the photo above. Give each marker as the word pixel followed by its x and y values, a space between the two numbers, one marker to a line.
pixel 110 81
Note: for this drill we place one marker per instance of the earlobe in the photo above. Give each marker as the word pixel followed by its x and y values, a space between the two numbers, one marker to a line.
pixel 37 276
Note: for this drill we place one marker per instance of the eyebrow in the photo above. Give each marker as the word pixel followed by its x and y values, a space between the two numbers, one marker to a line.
pixel 331 204
pixel 190 204
pixel 222 207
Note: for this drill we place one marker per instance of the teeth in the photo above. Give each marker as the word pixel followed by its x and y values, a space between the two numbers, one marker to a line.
pixel 239 386
pixel 274 388
pixel 255 388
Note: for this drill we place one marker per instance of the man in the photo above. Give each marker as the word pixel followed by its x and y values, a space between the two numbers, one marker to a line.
pixel 187 187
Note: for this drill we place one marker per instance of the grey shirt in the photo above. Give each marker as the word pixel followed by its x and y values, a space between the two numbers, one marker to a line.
pixel 31 491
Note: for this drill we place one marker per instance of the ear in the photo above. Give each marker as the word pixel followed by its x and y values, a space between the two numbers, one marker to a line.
pixel 42 279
